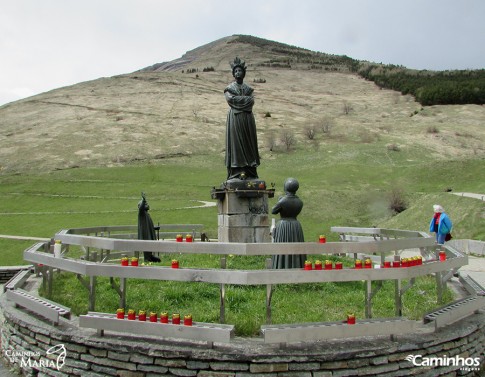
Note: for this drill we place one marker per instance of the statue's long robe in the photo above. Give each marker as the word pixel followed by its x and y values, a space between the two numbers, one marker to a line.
pixel 241 139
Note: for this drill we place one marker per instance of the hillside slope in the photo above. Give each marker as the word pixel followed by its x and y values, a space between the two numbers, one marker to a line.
pixel 163 111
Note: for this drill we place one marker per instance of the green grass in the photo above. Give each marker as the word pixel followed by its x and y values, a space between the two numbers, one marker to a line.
pixel 347 185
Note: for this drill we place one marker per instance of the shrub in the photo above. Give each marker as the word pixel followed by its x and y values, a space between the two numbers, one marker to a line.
pixel 310 132
pixel 397 200
pixel 393 147
pixel 432 130
pixel 288 139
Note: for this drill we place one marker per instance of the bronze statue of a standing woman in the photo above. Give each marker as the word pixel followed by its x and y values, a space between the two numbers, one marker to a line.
pixel 242 156
pixel 288 228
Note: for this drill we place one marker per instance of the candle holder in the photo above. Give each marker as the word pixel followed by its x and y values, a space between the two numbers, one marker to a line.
pixel 120 313
pixel 338 265
pixel 164 317
pixel 318 265
pixel 131 315
pixel 134 262
pixel 442 256
pixel 420 260
pixel 405 262
pixel 188 320
pixel 351 319
pixel 153 317
pixel 387 264
pixel 358 264
pixel 308 265
pixel 175 263
pixel 396 264
pixel 368 263
pixel 124 261
pixel 322 239
pixel 328 265
pixel 188 238
pixel 175 319
pixel 142 315
pixel 179 238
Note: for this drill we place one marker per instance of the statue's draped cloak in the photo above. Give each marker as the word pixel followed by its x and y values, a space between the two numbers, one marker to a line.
pixel 146 230
pixel 241 139
pixel 288 229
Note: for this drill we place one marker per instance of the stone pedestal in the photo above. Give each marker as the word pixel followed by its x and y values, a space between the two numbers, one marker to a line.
pixel 243 211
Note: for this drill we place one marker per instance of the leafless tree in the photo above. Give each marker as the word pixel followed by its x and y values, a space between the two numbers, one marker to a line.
pixel 288 139
pixel 347 108
pixel 310 131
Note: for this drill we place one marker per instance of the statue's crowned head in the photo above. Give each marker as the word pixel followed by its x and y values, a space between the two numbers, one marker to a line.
pixel 238 63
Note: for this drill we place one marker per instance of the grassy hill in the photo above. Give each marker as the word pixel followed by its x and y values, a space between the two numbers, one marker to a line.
pixel 80 155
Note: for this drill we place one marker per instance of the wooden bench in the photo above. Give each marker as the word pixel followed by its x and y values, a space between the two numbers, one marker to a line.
pixel 199 331
pixel 291 333
pixel 18 280
pixel 43 307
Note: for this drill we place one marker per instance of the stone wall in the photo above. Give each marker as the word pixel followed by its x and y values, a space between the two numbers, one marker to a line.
pixel 89 355
pixel 8 272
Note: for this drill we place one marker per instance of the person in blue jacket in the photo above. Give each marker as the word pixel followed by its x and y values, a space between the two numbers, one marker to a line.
pixel 440 224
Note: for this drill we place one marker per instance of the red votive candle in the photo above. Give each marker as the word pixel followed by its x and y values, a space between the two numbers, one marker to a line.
pixel 175 319
pixel 164 317
pixel 142 315
pixel 358 264
pixel 124 261
pixel 179 238
pixel 351 319
pixel 120 313
pixel 153 317
pixel 387 264
pixel 308 265
pixel 368 263
pixel 175 263
pixel 442 256
pixel 134 262
pixel 188 320
pixel 396 264
pixel 318 265
pixel 131 315
pixel 338 265
pixel 322 239
pixel 328 265
pixel 188 238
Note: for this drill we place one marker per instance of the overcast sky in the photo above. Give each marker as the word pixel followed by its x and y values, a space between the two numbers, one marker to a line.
pixel 47 44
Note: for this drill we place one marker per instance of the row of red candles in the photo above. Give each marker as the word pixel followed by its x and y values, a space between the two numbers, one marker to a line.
pixel 153 317
pixel 188 238
pixel 134 262
pixel 405 262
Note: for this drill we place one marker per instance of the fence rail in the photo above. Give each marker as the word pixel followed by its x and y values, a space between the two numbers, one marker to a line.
pixel 383 242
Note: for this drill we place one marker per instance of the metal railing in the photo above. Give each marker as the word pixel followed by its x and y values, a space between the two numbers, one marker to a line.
pixel 382 243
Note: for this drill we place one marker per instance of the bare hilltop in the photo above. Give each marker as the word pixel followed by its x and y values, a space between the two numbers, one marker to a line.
pixel 177 108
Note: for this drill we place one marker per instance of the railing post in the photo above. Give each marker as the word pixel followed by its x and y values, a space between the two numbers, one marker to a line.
pixel 222 301
pixel 368 298
pixel 398 297
pixel 269 293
